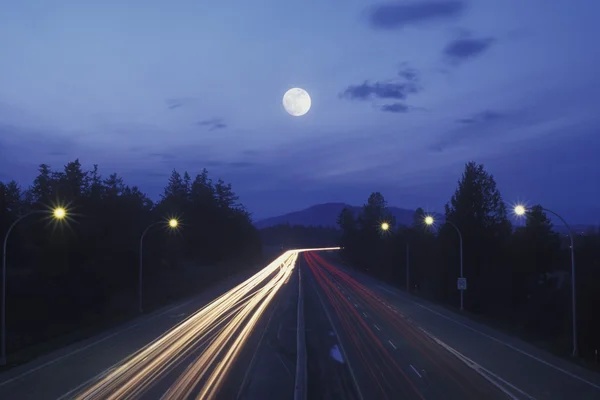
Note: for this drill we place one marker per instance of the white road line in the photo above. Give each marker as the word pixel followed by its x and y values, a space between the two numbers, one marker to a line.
pixel 376 327
pixel 342 350
pixel 487 374
pixel 416 372
pixel 365 314
pixel 355 305
pixel 392 344
pixel 105 338
pixel 564 371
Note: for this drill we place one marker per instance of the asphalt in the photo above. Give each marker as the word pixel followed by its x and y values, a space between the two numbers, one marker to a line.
pixel 153 354
pixel 328 375
pixel 454 356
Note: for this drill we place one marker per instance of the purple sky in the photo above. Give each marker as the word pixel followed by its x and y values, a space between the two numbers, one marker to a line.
pixel 404 93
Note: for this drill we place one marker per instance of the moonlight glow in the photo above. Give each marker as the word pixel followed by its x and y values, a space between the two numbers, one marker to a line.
pixel 296 102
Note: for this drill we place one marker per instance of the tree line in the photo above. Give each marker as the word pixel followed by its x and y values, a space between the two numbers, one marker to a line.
pixel 83 271
pixel 517 277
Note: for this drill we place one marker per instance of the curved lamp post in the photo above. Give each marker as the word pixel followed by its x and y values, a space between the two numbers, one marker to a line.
pixel 520 210
pixel 430 221
pixel 58 213
pixel 172 224
pixel 386 227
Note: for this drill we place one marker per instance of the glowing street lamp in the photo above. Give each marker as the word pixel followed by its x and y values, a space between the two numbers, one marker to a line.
pixel 520 210
pixel 172 224
pixel 58 213
pixel 385 226
pixel 430 221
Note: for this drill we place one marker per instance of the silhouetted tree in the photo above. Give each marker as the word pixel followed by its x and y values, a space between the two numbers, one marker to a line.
pixel 62 277
pixel 521 277
pixel 477 209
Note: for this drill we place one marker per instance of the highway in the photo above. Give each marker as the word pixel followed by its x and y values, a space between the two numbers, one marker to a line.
pixel 198 349
pixel 238 340
pixel 395 346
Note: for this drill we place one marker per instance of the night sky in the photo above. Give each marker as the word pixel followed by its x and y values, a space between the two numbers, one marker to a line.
pixel 403 95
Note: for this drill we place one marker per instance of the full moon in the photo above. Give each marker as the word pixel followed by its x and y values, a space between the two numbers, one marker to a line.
pixel 296 102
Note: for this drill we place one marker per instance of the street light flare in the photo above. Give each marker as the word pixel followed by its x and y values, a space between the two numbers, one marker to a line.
pixel 173 223
pixel 59 213
pixel 385 226
pixel 429 220
pixel 520 210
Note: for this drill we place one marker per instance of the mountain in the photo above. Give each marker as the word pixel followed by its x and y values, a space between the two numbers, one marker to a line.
pixel 326 215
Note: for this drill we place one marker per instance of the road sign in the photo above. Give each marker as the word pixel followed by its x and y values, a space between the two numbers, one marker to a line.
pixel 462 283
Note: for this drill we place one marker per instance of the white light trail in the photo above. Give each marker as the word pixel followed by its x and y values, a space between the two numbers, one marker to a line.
pixel 220 329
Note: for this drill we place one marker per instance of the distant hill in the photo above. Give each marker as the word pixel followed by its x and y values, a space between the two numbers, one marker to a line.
pixel 326 215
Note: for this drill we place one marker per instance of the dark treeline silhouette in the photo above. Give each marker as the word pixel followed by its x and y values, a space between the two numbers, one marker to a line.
pixel 288 236
pixel 83 271
pixel 518 278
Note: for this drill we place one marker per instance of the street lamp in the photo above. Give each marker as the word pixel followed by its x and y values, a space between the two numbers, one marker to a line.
pixel 172 224
pixel 385 227
pixel 58 213
pixel 430 221
pixel 520 210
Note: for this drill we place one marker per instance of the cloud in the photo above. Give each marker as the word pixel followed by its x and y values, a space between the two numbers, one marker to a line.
pixel 482 117
pixel 465 48
pixel 179 102
pixel 164 156
pixel 388 90
pixel 394 108
pixel 213 124
pixel 397 16
pixel 382 90
pixel 408 73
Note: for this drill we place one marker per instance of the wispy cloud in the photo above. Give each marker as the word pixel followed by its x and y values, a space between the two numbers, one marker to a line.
pixel 179 102
pixel 466 47
pixel 164 156
pixel 213 124
pixel 397 16
pixel 397 89
pixel 394 108
pixel 482 117
pixel 381 90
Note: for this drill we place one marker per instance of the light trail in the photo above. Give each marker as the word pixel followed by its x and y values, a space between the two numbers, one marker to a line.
pixel 217 331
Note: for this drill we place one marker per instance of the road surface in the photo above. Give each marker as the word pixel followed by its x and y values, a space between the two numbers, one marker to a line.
pixel 395 346
pixel 202 349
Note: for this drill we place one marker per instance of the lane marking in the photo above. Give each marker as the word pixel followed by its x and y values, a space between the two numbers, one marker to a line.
pixel 365 314
pixel 355 305
pixel 487 374
pixel 376 327
pixel 105 338
pixel 343 351
pixel 548 364
pixel 416 372
pixel 392 344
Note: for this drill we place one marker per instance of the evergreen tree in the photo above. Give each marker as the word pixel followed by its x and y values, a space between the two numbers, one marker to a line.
pixel 477 209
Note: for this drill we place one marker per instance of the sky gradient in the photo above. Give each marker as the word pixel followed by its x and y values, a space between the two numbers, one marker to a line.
pixel 403 95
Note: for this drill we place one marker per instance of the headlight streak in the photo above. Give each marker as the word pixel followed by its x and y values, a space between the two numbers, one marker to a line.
pixel 219 331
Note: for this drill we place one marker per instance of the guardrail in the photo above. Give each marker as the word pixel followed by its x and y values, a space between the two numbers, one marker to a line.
pixel 301 378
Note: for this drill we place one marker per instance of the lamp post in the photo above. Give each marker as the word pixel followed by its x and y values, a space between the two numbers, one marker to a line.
pixel 57 213
pixel 385 227
pixel 520 211
pixel 430 221
pixel 172 223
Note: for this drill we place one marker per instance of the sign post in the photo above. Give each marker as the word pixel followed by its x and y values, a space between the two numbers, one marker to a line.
pixel 461 284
